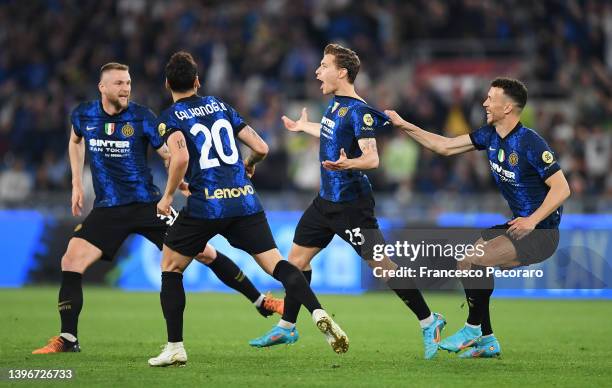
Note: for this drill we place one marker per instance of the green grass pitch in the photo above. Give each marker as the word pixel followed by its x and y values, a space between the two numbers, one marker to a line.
pixel 544 343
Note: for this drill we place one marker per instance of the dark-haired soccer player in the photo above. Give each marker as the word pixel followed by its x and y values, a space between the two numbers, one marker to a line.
pixel 530 179
pixel 345 205
pixel 116 134
pixel 201 135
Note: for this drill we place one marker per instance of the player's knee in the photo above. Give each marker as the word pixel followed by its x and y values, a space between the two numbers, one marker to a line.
pixel 208 255
pixel 173 264
pixel 74 261
pixel 301 263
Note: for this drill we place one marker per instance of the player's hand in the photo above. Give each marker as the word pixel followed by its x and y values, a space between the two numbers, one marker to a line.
pixel 397 120
pixel 295 126
pixel 163 206
pixel 250 169
pixel 77 200
pixel 343 163
pixel 521 227
pixel 184 188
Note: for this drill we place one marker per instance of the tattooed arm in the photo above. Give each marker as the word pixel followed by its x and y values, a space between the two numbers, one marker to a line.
pixel 368 159
pixel 176 170
pixel 258 147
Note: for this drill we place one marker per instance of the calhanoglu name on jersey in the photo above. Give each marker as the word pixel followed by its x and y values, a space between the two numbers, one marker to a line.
pixel 227 192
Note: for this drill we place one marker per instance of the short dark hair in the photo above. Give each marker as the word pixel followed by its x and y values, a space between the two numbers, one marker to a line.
pixel 344 58
pixel 113 66
pixel 513 88
pixel 181 71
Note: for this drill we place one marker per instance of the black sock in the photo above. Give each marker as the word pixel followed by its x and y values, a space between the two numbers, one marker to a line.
pixel 478 292
pixel 232 276
pixel 70 301
pixel 475 306
pixel 486 321
pixel 296 287
pixel 292 306
pixel 411 296
pixel 172 297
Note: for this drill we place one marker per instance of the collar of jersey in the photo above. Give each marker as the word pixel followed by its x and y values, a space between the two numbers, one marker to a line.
pixel 352 98
pixel 116 114
pixel 190 98
pixel 516 127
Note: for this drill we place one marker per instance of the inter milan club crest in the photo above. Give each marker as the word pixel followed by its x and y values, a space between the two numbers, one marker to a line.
pixel 501 155
pixel 342 111
pixel 109 128
pixel 127 130
pixel 513 158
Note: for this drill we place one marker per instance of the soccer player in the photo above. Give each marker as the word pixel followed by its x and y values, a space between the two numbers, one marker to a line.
pixel 201 135
pixel 345 205
pixel 527 174
pixel 116 134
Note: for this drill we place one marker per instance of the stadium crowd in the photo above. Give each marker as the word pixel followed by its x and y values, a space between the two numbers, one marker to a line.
pixel 260 57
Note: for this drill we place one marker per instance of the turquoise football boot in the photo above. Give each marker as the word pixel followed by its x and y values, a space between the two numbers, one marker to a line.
pixel 486 347
pixel 462 339
pixel 276 336
pixel 432 335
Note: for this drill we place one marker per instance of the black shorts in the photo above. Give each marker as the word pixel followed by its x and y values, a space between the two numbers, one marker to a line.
pixel 354 221
pixel 188 236
pixel 534 248
pixel 108 227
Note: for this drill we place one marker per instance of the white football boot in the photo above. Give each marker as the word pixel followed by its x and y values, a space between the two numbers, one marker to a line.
pixel 172 354
pixel 334 335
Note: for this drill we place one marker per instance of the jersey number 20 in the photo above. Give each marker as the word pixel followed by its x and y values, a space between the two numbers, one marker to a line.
pixel 213 136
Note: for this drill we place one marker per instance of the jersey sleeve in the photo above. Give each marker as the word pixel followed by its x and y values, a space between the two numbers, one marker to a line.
pixel 540 156
pixel 367 122
pixel 235 119
pixel 166 126
pixel 75 121
pixel 149 125
pixel 481 138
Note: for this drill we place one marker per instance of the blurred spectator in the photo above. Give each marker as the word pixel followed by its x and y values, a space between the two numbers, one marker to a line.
pixel 15 182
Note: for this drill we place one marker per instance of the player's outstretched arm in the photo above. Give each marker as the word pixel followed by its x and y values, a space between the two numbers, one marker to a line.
pixel 302 124
pixel 259 148
pixel 559 191
pixel 76 153
pixel 367 161
pixel 179 161
pixel 442 145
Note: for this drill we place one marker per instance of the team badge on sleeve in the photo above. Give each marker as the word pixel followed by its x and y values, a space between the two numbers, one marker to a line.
pixel 368 120
pixel 547 157
pixel 161 128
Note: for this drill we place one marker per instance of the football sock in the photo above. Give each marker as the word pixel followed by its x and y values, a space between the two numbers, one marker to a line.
pixel 172 297
pixel 296 287
pixel 70 301
pixel 285 325
pixel 259 300
pixel 232 276
pixel 68 337
pixel 427 321
pixel 292 306
pixel 411 296
pixel 486 317
pixel 478 299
